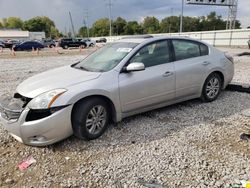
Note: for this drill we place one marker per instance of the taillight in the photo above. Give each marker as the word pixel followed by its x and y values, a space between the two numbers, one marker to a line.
pixel 229 57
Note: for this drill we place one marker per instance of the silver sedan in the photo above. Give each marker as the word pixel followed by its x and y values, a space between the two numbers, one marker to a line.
pixel 121 79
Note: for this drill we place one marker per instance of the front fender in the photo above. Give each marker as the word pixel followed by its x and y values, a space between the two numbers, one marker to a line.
pixel 69 98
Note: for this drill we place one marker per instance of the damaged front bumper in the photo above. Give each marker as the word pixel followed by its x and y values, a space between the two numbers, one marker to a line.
pixel 36 128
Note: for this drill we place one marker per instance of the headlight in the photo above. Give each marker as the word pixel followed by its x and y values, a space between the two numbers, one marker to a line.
pixel 45 100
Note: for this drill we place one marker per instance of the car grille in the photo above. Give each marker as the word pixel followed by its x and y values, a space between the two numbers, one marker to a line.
pixel 9 114
pixel 11 108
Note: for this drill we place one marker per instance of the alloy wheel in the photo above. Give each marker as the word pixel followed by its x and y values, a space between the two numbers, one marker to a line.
pixel 213 87
pixel 96 119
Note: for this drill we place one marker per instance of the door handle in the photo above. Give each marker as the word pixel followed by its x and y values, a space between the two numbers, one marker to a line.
pixel 167 74
pixel 205 63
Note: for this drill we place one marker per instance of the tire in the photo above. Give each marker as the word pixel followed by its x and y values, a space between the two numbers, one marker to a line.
pixel 211 88
pixel 85 111
pixel 83 46
pixel 52 45
pixel 65 47
pixel 91 45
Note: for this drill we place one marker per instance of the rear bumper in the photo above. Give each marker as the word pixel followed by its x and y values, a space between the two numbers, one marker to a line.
pixel 229 74
pixel 41 132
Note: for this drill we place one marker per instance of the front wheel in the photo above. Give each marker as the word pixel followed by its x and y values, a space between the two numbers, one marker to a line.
pixel 211 88
pixel 90 118
pixel 83 46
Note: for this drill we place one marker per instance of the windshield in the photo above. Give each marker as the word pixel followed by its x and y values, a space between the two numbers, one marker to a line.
pixel 107 57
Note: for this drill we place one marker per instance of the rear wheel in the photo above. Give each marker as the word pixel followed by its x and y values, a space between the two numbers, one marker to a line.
pixel 90 118
pixel 65 47
pixel 211 88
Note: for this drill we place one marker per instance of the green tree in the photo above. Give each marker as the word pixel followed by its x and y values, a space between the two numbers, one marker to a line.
pixel 83 32
pixel 214 22
pixel 237 24
pixel 4 22
pixel 1 25
pixel 119 26
pixel 13 23
pixel 133 28
pixel 101 27
pixel 54 33
pixel 40 23
pixel 151 25
pixel 190 23
pixel 170 24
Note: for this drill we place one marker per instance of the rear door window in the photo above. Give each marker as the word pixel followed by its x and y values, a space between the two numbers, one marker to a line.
pixel 185 49
pixel 204 49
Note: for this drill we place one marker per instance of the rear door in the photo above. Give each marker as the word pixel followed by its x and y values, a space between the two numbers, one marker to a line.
pixel 191 65
pixel 154 85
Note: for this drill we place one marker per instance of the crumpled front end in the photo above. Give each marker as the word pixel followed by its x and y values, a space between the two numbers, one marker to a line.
pixel 34 127
pixel 11 108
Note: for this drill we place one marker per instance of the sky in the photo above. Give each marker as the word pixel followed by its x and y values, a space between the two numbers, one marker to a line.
pixel 58 10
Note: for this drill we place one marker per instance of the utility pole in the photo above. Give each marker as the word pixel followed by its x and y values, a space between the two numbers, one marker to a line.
pixel 65 31
pixel 170 25
pixel 85 20
pixel 72 25
pixel 110 4
pixel 181 22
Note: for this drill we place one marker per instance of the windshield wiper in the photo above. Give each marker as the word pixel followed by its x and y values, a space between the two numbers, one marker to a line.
pixel 73 65
pixel 83 68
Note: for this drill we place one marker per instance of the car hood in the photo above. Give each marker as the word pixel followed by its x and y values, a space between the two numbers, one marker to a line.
pixel 57 78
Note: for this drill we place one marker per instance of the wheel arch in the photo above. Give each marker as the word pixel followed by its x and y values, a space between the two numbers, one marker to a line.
pixel 221 75
pixel 217 71
pixel 105 98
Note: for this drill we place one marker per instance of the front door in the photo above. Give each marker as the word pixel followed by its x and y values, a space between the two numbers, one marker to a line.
pixel 154 85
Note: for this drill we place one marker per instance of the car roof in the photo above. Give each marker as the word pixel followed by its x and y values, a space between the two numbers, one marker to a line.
pixel 155 38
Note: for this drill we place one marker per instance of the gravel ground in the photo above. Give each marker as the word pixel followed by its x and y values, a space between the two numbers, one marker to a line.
pixel 192 144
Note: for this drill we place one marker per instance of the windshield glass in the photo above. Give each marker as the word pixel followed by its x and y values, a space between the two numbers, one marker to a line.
pixel 107 57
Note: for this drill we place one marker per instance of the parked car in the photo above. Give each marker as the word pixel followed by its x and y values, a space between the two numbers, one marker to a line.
pixel 11 42
pixel 49 43
pixel 28 45
pixel 101 40
pixel 89 42
pixel 121 79
pixel 70 42
pixel 2 44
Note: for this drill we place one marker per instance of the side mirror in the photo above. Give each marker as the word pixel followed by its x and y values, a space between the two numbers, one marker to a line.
pixel 136 66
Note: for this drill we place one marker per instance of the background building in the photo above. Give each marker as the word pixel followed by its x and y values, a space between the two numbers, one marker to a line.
pixel 21 35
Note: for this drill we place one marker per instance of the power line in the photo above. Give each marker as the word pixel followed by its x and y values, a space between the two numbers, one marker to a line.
pixel 181 22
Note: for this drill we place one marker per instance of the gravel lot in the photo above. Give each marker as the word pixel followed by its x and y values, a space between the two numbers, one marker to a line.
pixel 192 144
